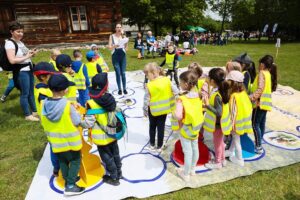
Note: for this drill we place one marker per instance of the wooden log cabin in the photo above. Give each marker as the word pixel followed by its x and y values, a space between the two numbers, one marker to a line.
pixel 61 21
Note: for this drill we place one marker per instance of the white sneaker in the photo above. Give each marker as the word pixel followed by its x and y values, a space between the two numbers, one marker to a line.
pixel 224 163
pixel 228 153
pixel 150 148
pixel 35 114
pixel 239 162
pixel 32 118
pixel 180 173
pixel 159 150
pixel 213 165
pixel 193 171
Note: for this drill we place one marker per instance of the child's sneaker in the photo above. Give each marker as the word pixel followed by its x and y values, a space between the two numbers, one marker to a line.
pixel 74 190
pixel 237 161
pixel 224 163
pixel 213 165
pixel 32 118
pixel 150 148
pixel 180 173
pixel 2 98
pixel 259 150
pixel 35 114
pixel 228 153
pixel 55 172
pixel 193 171
pixel 109 180
pixel 159 150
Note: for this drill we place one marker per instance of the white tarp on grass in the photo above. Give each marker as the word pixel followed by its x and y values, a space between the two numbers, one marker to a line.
pixel 147 173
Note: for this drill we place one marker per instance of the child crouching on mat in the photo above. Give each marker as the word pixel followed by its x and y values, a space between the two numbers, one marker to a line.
pixel 190 116
pixel 159 101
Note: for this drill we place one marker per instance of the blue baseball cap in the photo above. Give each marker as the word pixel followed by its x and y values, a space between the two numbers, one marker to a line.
pixel 63 60
pixel 58 82
pixel 90 55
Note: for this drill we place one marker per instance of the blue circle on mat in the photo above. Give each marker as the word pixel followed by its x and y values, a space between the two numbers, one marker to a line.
pixel 248 149
pixel 151 179
pixel 298 128
pixel 280 147
pixel 55 189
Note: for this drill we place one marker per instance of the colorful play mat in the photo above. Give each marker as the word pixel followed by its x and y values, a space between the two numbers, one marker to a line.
pixel 150 173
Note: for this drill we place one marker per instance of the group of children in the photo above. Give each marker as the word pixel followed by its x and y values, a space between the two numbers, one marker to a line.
pixel 228 103
pixel 223 104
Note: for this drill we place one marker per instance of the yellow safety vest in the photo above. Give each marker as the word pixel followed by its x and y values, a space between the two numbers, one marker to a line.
pixel 63 134
pixel 170 60
pixel 193 117
pixel 79 79
pixel 210 117
pixel 72 90
pixel 266 97
pixel 243 121
pixel 102 64
pixel 92 70
pixel 53 63
pixel 99 137
pixel 37 91
pixel 162 100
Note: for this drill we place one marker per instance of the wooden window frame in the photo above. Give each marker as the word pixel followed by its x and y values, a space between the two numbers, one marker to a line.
pixel 79 19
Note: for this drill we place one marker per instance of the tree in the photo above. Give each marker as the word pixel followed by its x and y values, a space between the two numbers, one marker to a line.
pixel 138 12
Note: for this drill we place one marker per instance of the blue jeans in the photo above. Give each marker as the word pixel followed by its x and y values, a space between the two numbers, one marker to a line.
pixel 191 153
pixel 9 87
pixel 111 157
pixel 141 49
pixel 259 124
pixel 119 63
pixel 54 160
pixel 83 97
pixel 26 82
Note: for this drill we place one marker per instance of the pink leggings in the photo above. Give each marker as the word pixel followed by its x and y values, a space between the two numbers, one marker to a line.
pixel 219 146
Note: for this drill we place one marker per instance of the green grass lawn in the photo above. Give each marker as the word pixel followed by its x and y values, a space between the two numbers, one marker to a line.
pixel 23 143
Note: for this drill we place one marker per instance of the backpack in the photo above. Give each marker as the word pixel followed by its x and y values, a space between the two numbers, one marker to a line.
pixel 116 126
pixel 4 62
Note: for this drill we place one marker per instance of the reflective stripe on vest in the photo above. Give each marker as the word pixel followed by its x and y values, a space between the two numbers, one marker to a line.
pixel 265 102
pixel 210 117
pixel 92 70
pixel 162 100
pixel 98 135
pixel 193 117
pixel 72 90
pixel 53 63
pixel 79 79
pixel 62 135
pixel 243 121
pixel 37 91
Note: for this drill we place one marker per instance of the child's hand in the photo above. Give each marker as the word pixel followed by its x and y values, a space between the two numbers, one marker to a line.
pixel 206 101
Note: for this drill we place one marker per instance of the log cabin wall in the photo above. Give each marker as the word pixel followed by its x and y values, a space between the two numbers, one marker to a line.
pixel 57 21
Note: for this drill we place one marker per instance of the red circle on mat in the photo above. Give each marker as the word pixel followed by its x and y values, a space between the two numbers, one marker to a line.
pixel 204 154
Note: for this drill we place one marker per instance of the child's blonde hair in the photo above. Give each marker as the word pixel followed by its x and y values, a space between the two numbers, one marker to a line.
pixel 55 52
pixel 232 65
pixel 153 68
pixel 196 68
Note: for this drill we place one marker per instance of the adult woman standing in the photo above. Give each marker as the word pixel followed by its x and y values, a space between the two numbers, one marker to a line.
pixel 118 50
pixel 23 76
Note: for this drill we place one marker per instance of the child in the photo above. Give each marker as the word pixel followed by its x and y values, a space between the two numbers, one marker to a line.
pixel 172 63
pixel 81 78
pixel 263 86
pixel 9 88
pixel 64 65
pixel 240 114
pixel 217 117
pixel 99 58
pixel 53 55
pixel 93 67
pixel 232 65
pixel 190 116
pixel 43 72
pixel 107 146
pixel 159 100
pixel 248 69
pixel 60 122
